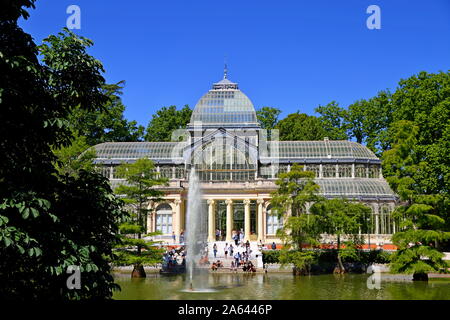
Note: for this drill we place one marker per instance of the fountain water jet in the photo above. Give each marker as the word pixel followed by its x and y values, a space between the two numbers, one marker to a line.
pixel 196 233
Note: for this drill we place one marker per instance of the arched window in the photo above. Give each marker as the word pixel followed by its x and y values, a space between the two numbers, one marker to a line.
pixel 273 223
pixel 164 219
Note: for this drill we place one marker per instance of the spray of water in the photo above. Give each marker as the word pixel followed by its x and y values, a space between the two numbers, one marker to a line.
pixel 196 224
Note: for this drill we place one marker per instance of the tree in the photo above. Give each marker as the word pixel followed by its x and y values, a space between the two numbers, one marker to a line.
pixel 367 121
pixel 49 221
pixel 296 190
pixel 268 117
pixel 141 178
pixel 106 123
pixel 332 118
pixel 423 215
pixel 299 126
pixel 341 217
pixel 75 157
pixel 165 121
pixel 424 99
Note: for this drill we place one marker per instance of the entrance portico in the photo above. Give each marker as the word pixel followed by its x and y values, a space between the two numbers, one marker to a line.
pixel 235 214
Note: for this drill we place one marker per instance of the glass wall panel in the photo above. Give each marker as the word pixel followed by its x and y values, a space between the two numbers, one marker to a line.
pixel 329 171
pixel 360 171
pixel 374 171
pixel 166 172
pixel 314 168
pixel 105 171
pixel 345 170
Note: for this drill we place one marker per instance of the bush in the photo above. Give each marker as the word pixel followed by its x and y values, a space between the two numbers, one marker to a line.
pixel 271 256
pixel 329 256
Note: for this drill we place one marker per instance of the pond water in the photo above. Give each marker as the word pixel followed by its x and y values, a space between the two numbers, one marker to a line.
pixel 277 286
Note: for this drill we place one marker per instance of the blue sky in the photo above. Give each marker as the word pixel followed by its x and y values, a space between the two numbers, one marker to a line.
pixel 293 55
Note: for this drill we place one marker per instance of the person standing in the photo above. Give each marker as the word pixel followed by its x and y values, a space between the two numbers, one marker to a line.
pixel 182 236
pixel 215 250
pixel 236 258
pixel 236 239
pixel 274 246
pixel 231 250
pixel 225 249
pixel 174 238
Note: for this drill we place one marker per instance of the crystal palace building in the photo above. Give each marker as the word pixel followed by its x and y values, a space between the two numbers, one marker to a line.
pixel 237 163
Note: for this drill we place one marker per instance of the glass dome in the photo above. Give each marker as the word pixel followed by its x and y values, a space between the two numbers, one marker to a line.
pixel 224 106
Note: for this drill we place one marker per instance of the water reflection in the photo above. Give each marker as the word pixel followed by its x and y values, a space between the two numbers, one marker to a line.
pixel 277 286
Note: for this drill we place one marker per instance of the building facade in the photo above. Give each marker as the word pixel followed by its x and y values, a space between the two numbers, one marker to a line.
pixel 237 163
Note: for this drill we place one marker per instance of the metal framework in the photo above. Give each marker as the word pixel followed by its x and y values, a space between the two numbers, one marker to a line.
pixel 231 147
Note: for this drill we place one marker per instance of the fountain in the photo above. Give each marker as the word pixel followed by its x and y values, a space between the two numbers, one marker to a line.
pixel 196 235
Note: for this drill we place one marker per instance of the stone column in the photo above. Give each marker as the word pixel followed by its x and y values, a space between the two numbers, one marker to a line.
pixel 150 215
pixel 211 221
pixel 246 220
pixel 260 220
pixel 229 204
pixel 154 217
pixel 377 223
pixel 176 223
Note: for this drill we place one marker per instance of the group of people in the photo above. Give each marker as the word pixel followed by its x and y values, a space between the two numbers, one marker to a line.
pixel 216 265
pixel 175 257
pixel 242 250
pixel 236 235
pixel 174 237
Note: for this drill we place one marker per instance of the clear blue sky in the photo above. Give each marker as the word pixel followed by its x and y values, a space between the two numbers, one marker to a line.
pixel 293 55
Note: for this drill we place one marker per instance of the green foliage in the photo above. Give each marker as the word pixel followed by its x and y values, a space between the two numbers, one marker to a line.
pixel 332 120
pixel 165 121
pixel 424 210
pixel 75 157
pixel 141 178
pixel 302 260
pixel 329 256
pixel 342 217
pixel 49 221
pixel 368 121
pixel 296 189
pixel 299 126
pixel 12 10
pixel 271 256
pixel 106 122
pixel 268 117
